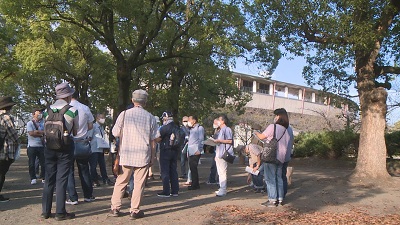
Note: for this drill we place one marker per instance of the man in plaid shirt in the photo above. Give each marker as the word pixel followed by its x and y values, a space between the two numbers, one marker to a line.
pixel 136 129
pixel 8 140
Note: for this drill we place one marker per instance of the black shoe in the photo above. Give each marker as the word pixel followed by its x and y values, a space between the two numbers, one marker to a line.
pixel 193 187
pixel 66 216
pixel 114 213
pixel 45 215
pixel 96 184
pixel 163 195
pixel 109 182
pixel 137 215
pixel 4 199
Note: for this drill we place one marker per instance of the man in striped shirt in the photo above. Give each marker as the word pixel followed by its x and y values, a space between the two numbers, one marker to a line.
pixel 136 129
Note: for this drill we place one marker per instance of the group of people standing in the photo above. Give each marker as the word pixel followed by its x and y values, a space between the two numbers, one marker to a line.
pixel 138 134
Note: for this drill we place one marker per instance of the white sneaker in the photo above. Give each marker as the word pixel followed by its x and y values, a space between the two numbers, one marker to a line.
pixel 220 193
pixel 33 181
pixel 91 199
pixel 69 202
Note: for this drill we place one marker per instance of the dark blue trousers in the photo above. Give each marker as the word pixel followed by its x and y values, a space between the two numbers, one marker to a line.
pixel 32 153
pixel 84 174
pixel 57 166
pixel 169 175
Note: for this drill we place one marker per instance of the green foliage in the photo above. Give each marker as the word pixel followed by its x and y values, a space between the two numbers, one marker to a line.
pixel 392 143
pixel 327 144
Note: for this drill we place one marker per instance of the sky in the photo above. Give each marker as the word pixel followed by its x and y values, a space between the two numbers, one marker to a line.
pixel 289 71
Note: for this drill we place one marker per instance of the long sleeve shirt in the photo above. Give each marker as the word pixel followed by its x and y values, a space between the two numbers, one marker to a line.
pixel 9 134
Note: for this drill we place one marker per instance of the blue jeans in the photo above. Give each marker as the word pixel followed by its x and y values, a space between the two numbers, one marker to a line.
pixel 258 180
pixel 284 178
pixel 98 157
pixel 169 174
pixel 57 169
pixel 273 179
pixel 84 175
pixel 213 171
pixel 34 152
pixel 184 160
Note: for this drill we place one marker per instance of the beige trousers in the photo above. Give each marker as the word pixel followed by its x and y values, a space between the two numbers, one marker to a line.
pixel 139 180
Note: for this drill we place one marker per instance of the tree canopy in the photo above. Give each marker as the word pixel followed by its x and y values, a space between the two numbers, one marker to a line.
pixel 345 43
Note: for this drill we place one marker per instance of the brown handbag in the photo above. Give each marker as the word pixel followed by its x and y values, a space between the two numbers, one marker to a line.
pixel 117 169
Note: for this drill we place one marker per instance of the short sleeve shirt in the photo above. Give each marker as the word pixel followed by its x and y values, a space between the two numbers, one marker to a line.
pixel 137 128
pixel 224 134
pixel 34 141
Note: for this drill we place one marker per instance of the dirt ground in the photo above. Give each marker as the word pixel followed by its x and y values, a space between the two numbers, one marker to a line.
pixel 319 194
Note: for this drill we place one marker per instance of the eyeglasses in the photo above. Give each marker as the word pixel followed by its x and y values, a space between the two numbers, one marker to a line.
pixel 184 121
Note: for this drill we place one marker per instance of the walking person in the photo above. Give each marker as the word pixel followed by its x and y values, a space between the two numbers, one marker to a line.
pixel 137 130
pixel 168 156
pixel 225 141
pixel 82 154
pixel 9 141
pixel 58 161
pixel 97 156
pixel 36 145
pixel 273 171
pixel 195 149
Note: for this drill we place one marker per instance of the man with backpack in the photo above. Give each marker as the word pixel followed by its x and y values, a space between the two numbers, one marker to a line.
pixel 61 122
pixel 169 136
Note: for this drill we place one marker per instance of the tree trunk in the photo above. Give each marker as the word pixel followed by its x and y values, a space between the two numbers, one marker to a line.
pixel 371 160
pixel 124 82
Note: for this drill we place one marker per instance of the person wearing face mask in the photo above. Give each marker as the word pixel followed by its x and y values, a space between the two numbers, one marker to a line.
pixel 35 130
pixel 184 157
pixel 97 156
pixel 213 169
pixel 8 140
pixel 225 141
pixel 195 149
pixel 168 156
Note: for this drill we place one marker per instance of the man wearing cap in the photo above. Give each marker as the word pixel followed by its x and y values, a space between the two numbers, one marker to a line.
pixel 35 129
pixel 58 162
pixel 137 130
pixel 168 157
pixel 8 140
pixel 82 154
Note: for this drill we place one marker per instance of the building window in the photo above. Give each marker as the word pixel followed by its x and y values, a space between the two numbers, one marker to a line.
pixel 263 88
pixel 247 86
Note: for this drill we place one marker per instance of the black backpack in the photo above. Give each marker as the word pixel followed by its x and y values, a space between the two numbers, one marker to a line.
pixel 177 137
pixel 57 135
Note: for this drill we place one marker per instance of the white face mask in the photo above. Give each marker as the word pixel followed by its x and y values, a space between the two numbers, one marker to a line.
pixel 40 116
pixel 219 123
pixel 215 126
pixel 185 124
pixel 101 121
pixel 190 124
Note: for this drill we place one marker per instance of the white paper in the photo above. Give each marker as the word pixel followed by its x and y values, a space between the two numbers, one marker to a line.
pixel 210 141
pixel 250 170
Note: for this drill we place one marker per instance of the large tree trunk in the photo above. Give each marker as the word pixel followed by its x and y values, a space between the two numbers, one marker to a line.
pixel 124 82
pixel 371 161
